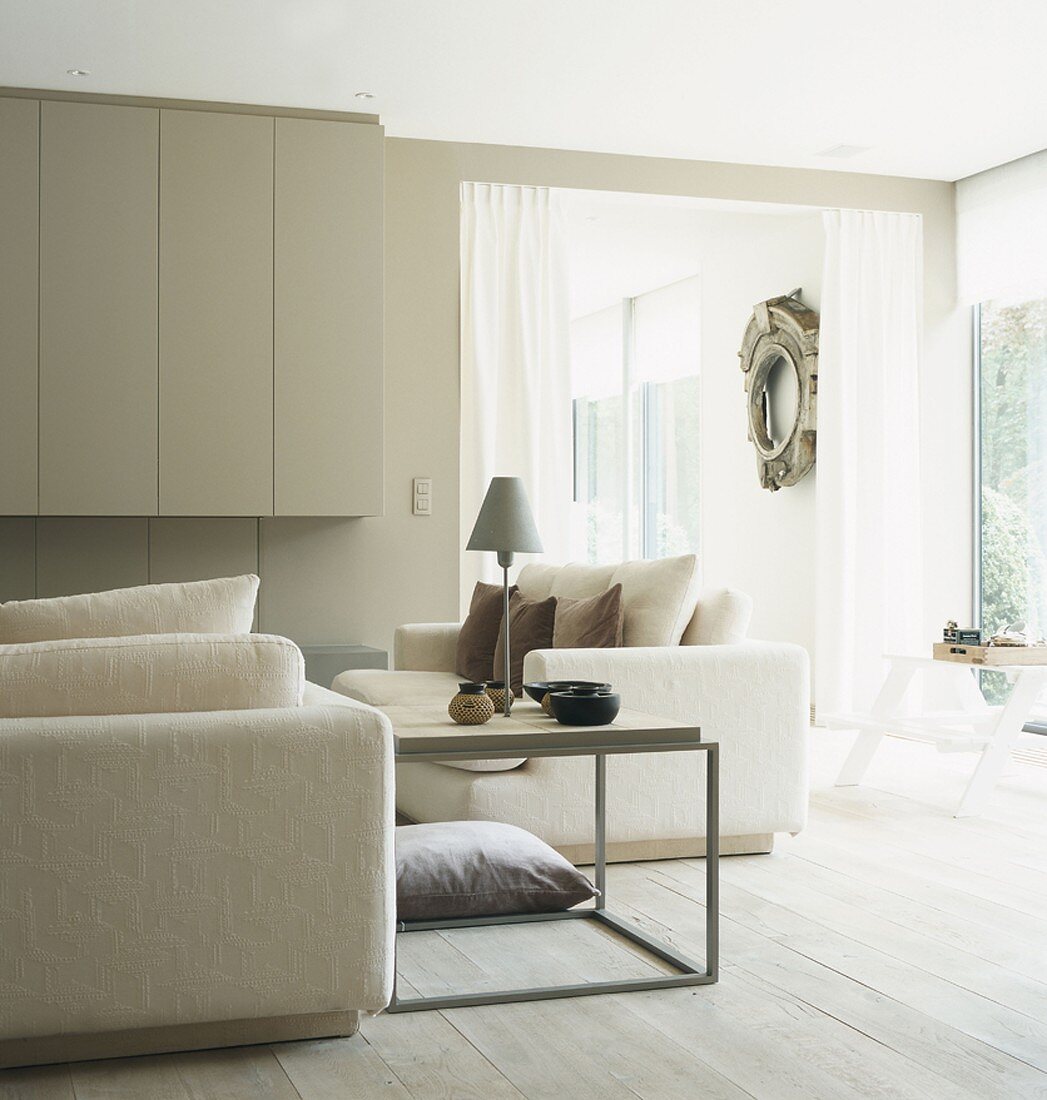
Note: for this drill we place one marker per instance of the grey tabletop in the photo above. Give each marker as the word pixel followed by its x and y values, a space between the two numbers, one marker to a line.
pixel 427 732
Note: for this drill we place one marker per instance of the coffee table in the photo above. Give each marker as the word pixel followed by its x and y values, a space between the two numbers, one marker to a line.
pixel 427 735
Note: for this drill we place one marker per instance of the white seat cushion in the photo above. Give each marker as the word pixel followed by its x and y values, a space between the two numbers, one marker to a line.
pixel 221 606
pixel 149 674
pixel 381 688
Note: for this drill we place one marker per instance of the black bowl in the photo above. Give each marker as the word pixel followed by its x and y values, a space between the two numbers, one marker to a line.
pixel 541 688
pixel 585 710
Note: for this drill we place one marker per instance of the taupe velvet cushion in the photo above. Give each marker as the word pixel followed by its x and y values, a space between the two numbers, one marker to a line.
pixel 530 627
pixel 474 653
pixel 481 868
pixel 593 623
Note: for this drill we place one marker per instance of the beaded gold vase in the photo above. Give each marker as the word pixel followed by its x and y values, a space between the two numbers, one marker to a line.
pixel 495 690
pixel 471 706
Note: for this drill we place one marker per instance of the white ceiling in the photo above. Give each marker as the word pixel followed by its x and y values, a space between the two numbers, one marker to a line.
pixel 934 88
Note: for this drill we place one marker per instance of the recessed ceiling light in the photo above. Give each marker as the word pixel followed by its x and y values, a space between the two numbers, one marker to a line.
pixel 365 95
pixel 78 72
pixel 842 152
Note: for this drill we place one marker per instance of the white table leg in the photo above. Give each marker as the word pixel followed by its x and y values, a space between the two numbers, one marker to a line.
pixel 868 741
pixel 997 752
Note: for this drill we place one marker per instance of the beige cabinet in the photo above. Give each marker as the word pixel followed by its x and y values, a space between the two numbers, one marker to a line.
pixel 19 223
pixel 98 330
pixel 190 311
pixel 327 367
pixel 216 314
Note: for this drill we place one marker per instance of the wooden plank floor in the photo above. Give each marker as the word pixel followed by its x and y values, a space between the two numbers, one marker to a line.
pixel 889 950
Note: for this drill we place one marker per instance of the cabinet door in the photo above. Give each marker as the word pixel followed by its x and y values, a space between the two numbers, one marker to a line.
pixel 216 314
pixel 98 224
pixel 328 322
pixel 19 225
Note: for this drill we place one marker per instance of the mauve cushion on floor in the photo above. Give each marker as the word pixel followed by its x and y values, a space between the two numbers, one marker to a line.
pixel 450 869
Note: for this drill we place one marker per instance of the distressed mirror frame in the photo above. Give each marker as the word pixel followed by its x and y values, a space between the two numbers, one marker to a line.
pixel 782 328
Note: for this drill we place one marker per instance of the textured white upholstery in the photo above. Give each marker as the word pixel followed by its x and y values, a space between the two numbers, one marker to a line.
pixel 150 674
pixel 221 606
pixel 721 617
pixel 426 647
pixel 185 868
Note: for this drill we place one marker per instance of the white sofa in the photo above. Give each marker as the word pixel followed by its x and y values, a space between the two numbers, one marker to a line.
pixel 751 696
pixel 190 878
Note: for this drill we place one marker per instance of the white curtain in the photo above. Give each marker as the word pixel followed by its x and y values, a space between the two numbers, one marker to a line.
pixel 869 536
pixel 1001 232
pixel 515 376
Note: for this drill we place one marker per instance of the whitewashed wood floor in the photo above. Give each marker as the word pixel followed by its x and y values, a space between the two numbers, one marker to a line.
pixel 888 951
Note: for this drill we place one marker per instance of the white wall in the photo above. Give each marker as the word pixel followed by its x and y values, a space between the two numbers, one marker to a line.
pixel 625 245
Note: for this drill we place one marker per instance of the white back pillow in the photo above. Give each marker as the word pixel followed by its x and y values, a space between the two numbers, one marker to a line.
pixel 149 674
pixel 221 606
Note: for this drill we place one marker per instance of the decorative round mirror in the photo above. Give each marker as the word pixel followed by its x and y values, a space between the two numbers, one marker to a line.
pixel 779 358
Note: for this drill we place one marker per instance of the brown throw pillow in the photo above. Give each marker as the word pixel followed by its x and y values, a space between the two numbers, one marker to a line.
pixel 593 623
pixel 481 868
pixel 474 653
pixel 530 627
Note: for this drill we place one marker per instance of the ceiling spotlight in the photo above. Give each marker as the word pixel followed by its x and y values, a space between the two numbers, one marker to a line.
pixel 365 95
pixel 78 72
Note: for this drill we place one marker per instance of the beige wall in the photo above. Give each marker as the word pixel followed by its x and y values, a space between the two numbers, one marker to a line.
pixel 355 579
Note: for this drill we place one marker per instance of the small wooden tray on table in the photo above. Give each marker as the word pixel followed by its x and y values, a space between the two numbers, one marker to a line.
pixel 990 656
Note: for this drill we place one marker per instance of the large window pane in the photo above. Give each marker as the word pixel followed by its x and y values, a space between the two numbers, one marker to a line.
pixel 1013 347
pixel 636 392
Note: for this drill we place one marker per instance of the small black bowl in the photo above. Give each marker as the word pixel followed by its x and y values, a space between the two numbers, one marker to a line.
pixel 541 688
pixel 590 709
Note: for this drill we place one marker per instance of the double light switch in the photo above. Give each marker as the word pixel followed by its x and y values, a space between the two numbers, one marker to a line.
pixel 423 496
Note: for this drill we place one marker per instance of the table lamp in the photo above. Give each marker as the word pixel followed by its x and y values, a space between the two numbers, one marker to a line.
pixel 505 524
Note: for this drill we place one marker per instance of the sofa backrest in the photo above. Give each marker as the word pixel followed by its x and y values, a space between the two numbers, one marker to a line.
pixel 660 597
pixel 221 606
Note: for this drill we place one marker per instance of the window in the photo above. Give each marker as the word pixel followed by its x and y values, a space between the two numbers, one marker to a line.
pixel 1012 383
pixel 635 394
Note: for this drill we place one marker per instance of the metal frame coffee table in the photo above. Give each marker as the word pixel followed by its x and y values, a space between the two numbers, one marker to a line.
pixel 425 735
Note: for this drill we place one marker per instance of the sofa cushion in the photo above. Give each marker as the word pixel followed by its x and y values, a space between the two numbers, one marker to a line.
pixel 536 580
pixel 530 627
pixel 478 636
pixel 593 623
pixel 450 869
pixel 578 580
pixel 721 618
pixel 221 606
pixel 659 597
pixel 149 674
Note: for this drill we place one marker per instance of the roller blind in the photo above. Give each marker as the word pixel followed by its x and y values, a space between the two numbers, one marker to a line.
pixel 1001 232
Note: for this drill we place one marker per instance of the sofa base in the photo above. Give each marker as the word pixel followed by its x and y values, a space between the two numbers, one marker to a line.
pixel 90 1046
pixel 629 851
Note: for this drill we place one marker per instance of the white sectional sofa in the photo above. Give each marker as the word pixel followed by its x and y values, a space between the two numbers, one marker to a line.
pixel 196 845
pixel 751 696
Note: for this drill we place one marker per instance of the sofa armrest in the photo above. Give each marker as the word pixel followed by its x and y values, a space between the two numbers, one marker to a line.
pixel 425 647
pixel 752 697
pixel 197 866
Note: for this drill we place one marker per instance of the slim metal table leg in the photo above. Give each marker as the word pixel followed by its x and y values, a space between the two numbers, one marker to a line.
pixel 601 830
pixel 712 860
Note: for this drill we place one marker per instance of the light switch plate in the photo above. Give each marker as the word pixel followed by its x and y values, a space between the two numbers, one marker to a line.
pixel 423 496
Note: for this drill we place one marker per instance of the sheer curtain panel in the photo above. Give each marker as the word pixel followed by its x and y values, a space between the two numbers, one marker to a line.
pixel 869 535
pixel 515 362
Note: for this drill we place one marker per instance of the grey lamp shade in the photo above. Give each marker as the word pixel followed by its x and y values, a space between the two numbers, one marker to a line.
pixel 505 521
